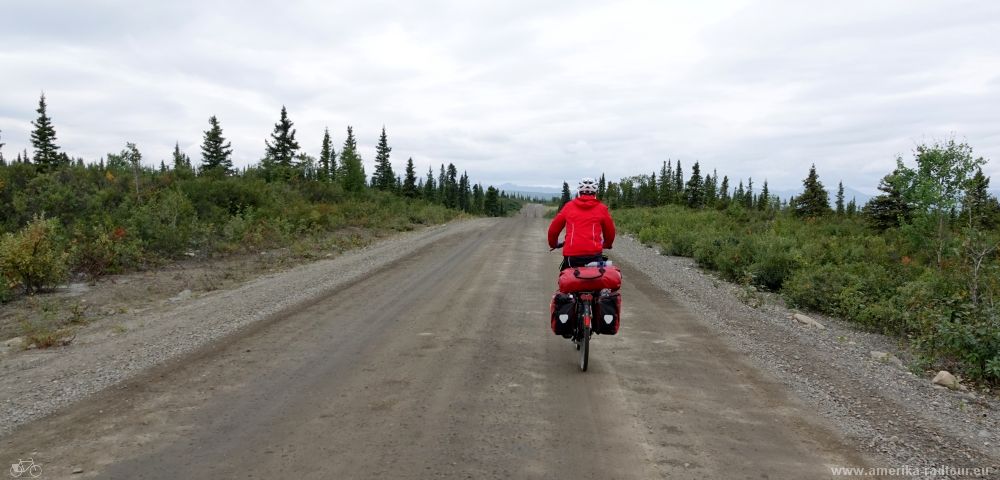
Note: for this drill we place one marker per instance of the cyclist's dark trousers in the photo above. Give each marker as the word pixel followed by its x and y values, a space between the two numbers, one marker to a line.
pixel 579 261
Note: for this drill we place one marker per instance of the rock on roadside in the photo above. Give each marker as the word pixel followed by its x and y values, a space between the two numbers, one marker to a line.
pixel 946 379
pixel 886 357
pixel 807 320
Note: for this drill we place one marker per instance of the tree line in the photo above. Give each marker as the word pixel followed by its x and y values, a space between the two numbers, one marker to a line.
pixel 284 160
pixel 61 216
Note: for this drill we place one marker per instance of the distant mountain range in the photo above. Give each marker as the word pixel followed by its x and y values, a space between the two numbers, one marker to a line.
pixel 541 193
pixel 859 197
pixel 545 193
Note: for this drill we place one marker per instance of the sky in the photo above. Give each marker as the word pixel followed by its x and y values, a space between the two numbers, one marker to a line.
pixel 526 92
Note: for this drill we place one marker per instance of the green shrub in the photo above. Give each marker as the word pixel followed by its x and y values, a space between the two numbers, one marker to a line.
pixel 774 261
pixel 34 257
pixel 102 250
pixel 166 223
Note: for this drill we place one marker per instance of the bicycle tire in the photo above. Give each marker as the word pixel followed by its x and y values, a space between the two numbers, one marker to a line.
pixel 585 349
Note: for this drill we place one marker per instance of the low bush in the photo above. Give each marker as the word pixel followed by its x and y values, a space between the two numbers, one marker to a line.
pixel 839 267
pixel 34 257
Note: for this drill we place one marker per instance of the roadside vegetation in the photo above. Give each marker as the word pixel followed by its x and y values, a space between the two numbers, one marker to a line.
pixel 919 261
pixel 63 217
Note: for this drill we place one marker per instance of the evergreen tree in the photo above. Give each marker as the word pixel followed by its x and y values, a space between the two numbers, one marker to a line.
pixel 216 152
pixel 478 196
pixel 724 192
pixel 663 189
pixel 711 192
pixel 852 207
pixel 182 162
pixel 601 185
pixel 163 167
pixel 352 174
pixel 383 178
pixel 43 139
pixel 840 198
pixel 694 190
pixel 410 182
pixel 442 185
pixel 765 198
pixel 889 209
pixel 327 158
pixel 430 191
pixel 3 162
pixel 566 196
pixel 451 187
pixel 979 208
pixel 678 188
pixel 814 201
pixel 464 193
pixel 282 147
pixel 491 202
pixel 739 195
pixel 748 195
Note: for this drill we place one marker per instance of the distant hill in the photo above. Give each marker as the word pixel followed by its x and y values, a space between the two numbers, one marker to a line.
pixel 860 198
pixel 539 192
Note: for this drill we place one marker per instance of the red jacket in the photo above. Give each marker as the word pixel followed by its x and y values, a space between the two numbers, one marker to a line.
pixel 589 228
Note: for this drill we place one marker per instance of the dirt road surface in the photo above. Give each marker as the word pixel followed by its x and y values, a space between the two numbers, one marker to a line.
pixel 443 366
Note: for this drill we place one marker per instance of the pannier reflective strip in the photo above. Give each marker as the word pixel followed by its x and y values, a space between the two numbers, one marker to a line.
pixel 609 318
pixel 563 318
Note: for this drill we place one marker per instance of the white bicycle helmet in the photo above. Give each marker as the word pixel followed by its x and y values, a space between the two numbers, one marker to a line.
pixel 587 186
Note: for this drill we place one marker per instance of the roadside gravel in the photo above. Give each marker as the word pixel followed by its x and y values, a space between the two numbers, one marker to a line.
pixel 34 383
pixel 879 405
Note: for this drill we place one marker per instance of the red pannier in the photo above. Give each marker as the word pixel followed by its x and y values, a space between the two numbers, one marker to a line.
pixel 590 279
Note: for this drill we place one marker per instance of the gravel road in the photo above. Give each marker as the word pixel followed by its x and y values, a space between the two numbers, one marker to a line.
pixel 430 356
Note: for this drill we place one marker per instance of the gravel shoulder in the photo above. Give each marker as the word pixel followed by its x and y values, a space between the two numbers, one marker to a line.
pixel 35 383
pixel 880 406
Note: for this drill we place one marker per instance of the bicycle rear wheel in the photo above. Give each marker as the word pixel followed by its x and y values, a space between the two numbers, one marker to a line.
pixel 584 347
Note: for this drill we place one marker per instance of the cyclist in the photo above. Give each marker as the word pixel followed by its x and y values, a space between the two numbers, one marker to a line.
pixel 589 228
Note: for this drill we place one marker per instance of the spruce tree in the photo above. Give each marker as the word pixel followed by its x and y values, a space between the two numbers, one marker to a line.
pixel 216 152
pixel 491 203
pixel 663 188
pixel 748 195
pixel 282 147
pixel 182 162
pixel 442 184
pixel 979 208
pixel 694 191
pixel 352 171
pixel 840 198
pixel 602 187
pixel 430 191
pixel 451 187
pixel 3 162
pixel 477 198
pixel 711 193
pixel 814 201
pixel 327 158
pixel 43 139
pixel 765 198
pixel 464 193
pixel 852 207
pixel 724 192
pixel 566 196
pixel 383 178
pixel 410 182
pixel 889 209
pixel 678 192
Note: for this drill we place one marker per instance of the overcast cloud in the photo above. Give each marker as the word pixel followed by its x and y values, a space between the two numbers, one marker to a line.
pixel 518 91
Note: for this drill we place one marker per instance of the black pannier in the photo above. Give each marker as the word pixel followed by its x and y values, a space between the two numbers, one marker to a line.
pixel 563 310
pixel 608 313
